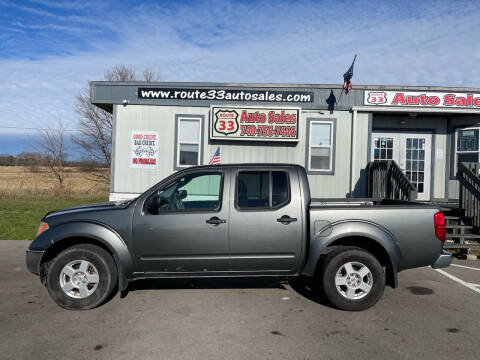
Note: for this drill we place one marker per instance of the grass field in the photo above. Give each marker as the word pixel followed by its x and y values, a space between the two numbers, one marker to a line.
pixel 25 181
pixel 20 217
pixel 26 196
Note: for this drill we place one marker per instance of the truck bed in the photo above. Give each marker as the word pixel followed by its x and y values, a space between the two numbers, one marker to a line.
pixel 363 202
pixel 409 224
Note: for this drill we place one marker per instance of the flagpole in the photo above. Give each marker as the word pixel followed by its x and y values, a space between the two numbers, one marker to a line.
pixel 340 97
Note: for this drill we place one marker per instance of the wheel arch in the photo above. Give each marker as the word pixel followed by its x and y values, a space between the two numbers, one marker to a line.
pixel 64 236
pixel 369 245
pixel 358 234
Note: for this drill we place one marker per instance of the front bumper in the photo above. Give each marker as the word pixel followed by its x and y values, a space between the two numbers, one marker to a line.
pixel 33 259
pixel 443 260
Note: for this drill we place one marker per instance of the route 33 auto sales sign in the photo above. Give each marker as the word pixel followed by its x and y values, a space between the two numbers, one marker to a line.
pixel 251 123
pixel 144 149
pixel 422 99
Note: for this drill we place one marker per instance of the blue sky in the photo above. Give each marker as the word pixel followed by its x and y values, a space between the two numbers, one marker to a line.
pixel 50 49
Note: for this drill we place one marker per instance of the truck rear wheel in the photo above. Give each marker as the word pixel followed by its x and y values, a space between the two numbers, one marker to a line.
pixel 352 278
pixel 81 277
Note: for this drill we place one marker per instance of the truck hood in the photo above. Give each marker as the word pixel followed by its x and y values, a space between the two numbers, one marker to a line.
pixel 87 208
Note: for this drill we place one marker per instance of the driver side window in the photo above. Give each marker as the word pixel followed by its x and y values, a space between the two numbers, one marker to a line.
pixel 192 192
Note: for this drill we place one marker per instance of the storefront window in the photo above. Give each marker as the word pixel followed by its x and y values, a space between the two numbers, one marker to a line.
pixel 383 148
pixel 188 142
pixel 466 146
pixel 320 146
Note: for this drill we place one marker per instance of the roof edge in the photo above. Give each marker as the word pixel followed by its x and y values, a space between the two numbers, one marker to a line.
pixel 285 85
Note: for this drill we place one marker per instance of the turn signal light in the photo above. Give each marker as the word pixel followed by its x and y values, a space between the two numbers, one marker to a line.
pixel 43 227
pixel 440 231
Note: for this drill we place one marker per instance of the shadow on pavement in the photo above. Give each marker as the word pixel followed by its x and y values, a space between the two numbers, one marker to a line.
pixel 302 286
pixel 305 287
pixel 206 283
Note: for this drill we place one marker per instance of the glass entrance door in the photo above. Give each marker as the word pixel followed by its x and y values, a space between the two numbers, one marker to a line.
pixel 383 147
pixel 415 161
pixel 412 153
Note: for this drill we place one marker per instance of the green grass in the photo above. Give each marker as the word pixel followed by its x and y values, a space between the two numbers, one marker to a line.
pixel 20 216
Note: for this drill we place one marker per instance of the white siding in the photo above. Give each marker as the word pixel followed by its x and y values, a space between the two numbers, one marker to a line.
pixel 362 145
pixel 162 119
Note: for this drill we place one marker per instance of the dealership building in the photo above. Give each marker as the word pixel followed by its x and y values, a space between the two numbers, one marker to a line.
pixel 160 128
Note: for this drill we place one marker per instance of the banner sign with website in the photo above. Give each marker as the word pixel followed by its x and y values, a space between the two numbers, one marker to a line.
pixel 226 95
pixel 250 123
pixel 422 99
pixel 144 149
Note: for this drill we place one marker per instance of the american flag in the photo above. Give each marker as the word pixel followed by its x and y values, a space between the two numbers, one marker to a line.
pixel 347 77
pixel 216 159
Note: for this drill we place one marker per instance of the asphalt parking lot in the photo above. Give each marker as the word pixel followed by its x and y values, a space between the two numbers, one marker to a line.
pixel 430 316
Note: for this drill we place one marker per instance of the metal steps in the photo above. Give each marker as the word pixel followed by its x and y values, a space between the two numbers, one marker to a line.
pixel 460 236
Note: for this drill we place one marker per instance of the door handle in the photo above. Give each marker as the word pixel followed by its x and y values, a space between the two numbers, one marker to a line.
pixel 285 220
pixel 215 221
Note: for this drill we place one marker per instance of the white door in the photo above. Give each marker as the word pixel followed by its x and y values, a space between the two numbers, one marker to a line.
pixel 412 152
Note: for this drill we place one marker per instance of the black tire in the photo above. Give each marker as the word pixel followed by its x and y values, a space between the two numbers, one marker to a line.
pixel 107 276
pixel 334 262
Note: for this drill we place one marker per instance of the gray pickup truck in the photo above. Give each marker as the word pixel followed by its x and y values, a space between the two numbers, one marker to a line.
pixel 236 220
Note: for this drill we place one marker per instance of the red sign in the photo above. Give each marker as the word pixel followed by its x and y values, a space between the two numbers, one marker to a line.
pixel 245 123
pixel 422 99
pixel 144 149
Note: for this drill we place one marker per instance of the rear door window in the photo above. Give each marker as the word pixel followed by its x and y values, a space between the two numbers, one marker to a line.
pixel 253 189
pixel 262 189
pixel 280 188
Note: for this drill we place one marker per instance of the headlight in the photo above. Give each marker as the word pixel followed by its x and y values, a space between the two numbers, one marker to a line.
pixel 43 227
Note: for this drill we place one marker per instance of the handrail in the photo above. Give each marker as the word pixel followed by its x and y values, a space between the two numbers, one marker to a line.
pixel 469 192
pixel 387 180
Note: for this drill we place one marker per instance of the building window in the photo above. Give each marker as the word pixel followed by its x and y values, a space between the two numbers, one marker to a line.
pixel 321 146
pixel 188 142
pixel 466 146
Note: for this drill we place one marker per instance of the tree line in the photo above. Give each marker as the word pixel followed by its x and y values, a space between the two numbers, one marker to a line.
pixel 38 159
pixel 95 133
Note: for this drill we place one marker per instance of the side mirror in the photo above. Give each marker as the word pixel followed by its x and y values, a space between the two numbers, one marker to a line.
pixel 182 194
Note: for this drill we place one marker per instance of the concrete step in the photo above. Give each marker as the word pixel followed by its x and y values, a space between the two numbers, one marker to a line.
pixel 458 226
pixel 450 217
pixel 446 203
pixel 463 236
pixel 461 246
pixel 447 208
pixel 453 212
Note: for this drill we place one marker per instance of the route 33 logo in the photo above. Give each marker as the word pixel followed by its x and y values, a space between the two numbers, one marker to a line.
pixel 226 121
pixel 377 97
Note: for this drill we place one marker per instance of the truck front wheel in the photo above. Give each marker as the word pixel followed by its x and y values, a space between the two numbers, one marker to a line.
pixel 351 278
pixel 81 277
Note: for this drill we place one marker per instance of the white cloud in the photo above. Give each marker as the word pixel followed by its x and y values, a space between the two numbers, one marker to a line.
pixel 432 44
pixel 69 5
